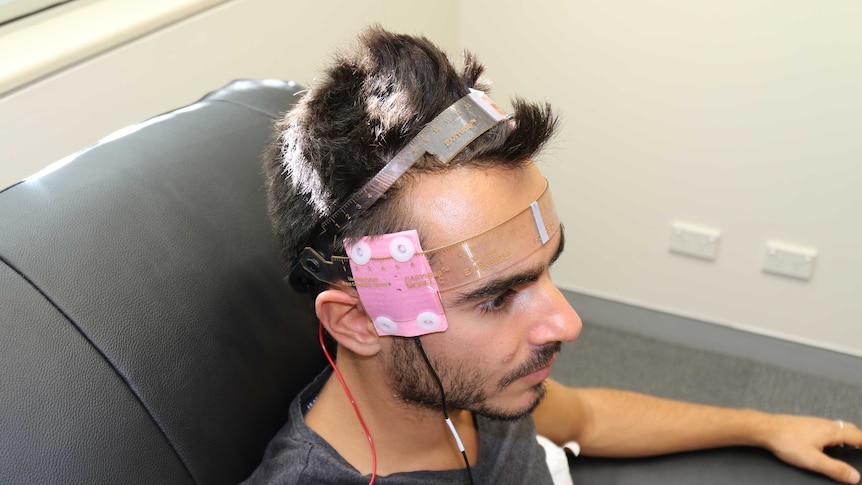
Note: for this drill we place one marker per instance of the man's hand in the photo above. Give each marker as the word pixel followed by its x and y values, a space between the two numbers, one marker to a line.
pixel 800 440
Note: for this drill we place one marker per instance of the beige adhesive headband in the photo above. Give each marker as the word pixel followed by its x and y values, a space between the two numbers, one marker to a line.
pixel 474 258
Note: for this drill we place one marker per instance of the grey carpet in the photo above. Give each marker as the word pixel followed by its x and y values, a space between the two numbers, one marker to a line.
pixel 608 357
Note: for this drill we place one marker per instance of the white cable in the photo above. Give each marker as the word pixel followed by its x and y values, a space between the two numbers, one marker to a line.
pixel 455 434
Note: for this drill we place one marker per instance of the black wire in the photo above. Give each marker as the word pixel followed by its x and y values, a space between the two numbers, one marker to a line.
pixel 443 400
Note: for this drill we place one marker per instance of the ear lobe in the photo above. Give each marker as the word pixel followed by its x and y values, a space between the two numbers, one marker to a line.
pixel 345 319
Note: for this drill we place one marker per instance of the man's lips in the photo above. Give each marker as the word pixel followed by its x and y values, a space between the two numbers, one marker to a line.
pixel 538 370
pixel 542 373
pixel 539 375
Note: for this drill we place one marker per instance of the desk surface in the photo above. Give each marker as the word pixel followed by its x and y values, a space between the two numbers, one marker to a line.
pixel 724 466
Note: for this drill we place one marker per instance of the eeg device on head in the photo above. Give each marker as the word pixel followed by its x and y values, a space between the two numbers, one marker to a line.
pixel 391 275
pixel 398 282
pixel 444 137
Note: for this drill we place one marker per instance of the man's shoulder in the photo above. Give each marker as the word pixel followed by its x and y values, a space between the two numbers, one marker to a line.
pixel 296 449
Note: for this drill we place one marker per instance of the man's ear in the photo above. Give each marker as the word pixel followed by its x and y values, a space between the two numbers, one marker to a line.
pixel 344 318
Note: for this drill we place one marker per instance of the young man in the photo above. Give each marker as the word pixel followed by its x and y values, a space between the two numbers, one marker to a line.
pixel 411 209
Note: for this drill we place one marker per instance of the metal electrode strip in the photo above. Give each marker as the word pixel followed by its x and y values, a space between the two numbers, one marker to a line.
pixel 444 137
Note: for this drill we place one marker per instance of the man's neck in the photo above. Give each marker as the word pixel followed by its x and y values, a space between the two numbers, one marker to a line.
pixel 406 437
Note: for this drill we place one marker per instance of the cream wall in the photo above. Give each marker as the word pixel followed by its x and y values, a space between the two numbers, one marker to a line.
pixel 742 115
pixel 176 65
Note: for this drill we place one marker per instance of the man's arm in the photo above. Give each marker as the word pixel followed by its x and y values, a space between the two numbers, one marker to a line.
pixel 612 423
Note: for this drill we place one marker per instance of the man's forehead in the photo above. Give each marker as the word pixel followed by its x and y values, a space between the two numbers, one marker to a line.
pixel 453 205
pixel 494 244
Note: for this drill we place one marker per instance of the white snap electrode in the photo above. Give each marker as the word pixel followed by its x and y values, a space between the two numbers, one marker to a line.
pixel 386 324
pixel 401 249
pixel 360 253
pixel 428 320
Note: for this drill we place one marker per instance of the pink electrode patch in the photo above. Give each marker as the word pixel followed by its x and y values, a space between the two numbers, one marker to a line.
pixel 396 284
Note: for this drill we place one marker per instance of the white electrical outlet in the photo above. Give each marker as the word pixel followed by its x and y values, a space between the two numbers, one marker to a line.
pixel 697 241
pixel 789 260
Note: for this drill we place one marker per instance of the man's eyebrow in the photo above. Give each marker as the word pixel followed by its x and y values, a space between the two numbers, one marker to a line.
pixel 561 247
pixel 499 285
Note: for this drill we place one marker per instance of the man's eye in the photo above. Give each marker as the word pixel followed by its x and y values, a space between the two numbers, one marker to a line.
pixel 499 303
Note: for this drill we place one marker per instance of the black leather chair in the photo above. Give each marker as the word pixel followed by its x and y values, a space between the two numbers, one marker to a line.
pixel 147 334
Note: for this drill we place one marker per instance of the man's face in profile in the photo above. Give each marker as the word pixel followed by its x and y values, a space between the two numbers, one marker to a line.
pixel 505 329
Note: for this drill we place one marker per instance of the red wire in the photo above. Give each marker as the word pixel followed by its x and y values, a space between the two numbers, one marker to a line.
pixel 355 407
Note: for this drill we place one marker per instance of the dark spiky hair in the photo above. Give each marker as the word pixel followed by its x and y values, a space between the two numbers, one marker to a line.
pixel 358 115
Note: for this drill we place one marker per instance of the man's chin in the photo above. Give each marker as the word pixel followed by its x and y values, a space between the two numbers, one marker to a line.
pixel 507 413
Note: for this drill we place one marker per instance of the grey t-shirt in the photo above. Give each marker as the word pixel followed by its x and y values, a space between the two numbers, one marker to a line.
pixel 508 454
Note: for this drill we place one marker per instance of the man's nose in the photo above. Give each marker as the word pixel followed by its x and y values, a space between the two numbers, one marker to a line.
pixel 557 321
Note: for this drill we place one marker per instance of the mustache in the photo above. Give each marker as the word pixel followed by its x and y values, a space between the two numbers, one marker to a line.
pixel 540 359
